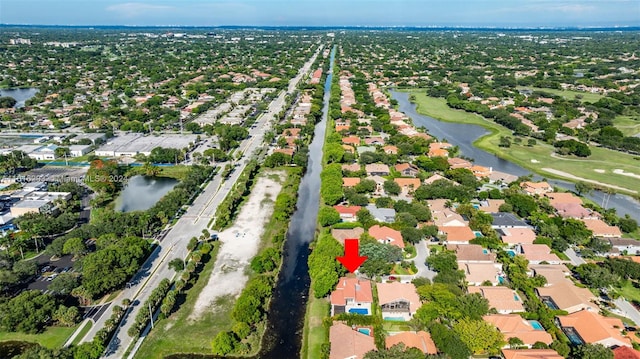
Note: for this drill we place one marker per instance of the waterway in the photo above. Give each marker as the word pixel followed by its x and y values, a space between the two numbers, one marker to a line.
pixel 463 135
pixel 142 192
pixel 21 95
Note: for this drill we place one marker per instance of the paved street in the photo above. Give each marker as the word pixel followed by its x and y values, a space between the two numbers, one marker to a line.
pixel 628 310
pixel 576 260
pixel 422 252
pixel 197 218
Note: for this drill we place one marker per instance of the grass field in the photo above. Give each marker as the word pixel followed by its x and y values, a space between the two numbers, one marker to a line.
pixel 314 331
pixel 179 334
pixel 53 337
pixel 629 292
pixel 568 94
pixel 539 156
pixel 628 125
pixel 83 332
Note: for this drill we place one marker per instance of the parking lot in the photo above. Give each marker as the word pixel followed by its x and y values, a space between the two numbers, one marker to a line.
pixel 49 270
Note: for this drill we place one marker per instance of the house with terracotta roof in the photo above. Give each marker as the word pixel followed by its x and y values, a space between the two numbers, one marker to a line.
pixel 386 235
pixel 443 216
pixel 437 177
pixel 286 151
pixel 351 140
pixel 566 296
pixel 399 301
pixel 372 141
pixel 439 149
pixel 352 295
pixel 354 167
pixel 505 300
pixel 553 273
pixel 456 162
pixel 538 253
pixel 407 169
pixel 562 197
pixel 457 235
pixel 341 234
pixel 348 343
pixel 347 213
pixel 472 253
pixel 531 354
pixel 407 185
pixel 536 188
pixel 491 205
pixel 480 171
pixel 349 149
pixel 420 340
pixel 390 150
pixel 479 273
pixel 589 327
pixel 513 236
pixel 624 352
pixel 377 169
pixel 574 210
pixel 514 326
pixel 602 229
pixel 350 182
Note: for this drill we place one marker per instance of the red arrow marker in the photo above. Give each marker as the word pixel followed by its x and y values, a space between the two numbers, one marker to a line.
pixel 351 259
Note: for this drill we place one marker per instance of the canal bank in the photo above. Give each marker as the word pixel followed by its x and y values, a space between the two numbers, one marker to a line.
pixel 464 135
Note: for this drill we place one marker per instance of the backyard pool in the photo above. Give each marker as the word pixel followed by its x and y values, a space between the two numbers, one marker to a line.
pixel 363 311
pixel 395 319
pixel 511 253
pixel 365 331
pixel 536 325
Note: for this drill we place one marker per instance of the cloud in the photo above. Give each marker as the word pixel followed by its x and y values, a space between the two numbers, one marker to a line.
pixel 135 9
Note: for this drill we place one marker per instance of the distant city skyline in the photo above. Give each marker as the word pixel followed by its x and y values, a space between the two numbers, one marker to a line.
pixel 467 13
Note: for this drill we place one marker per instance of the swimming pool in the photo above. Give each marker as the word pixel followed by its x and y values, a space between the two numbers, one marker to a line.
pixel 536 325
pixel 511 253
pixel 365 331
pixel 363 311
pixel 478 234
pixel 396 319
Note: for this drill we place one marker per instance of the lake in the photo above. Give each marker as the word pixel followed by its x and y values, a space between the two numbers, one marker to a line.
pixel 463 135
pixel 21 95
pixel 142 192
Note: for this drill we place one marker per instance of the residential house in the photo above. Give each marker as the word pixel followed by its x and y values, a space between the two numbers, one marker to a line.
pixel 472 253
pixel 407 185
pixel 348 343
pixel 592 328
pixel 386 235
pixel 562 197
pixel 365 149
pixel 501 177
pixel 514 326
pixel 444 216
pixel 342 234
pixel 390 150
pixel 538 253
pixel 387 215
pixel 531 354
pixel 354 167
pixel 399 301
pixel 625 245
pixel 351 140
pixel 439 149
pixel 553 273
pixel 437 177
pixel 420 340
pixel 491 205
pixel 379 191
pixel 513 236
pixel 602 229
pixel 502 220
pixel 347 213
pixel 505 300
pixel 349 149
pixel 536 188
pixel 377 169
pixel 374 141
pixel 481 273
pixel 286 151
pixel 407 169
pixel 624 352
pixel 456 162
pixel 566 296
pixel 350 182
pixel 352 295
pixel 456 235
pixel 574 210
pixel 480 171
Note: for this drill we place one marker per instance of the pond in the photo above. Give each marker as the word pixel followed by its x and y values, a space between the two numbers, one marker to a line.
pixel 21 95
pixel 142 192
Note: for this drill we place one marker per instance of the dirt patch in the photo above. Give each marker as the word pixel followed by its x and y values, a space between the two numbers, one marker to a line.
pixel 239 244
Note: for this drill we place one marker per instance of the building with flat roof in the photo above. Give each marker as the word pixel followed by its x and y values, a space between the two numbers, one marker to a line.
pixel 131 144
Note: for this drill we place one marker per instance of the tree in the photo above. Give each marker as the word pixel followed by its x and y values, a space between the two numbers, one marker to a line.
pixel 28 312
pixel 75 246
pixel 561 347
pixel 176 264
pixel 479 336
pixel 328 216
pixel 411 235
pixel 224 343
pixel 64 283
pixel 583 188
pixel 7 102
pixel 62 152
pixel 515 343
pixel 592 351
pixel 398 351
pixel 391 187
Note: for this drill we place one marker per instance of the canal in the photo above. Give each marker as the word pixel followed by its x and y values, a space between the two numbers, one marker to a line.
pixel 463 135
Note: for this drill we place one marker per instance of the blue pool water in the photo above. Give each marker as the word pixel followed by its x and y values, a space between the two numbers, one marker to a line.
pixel 501 280
pixel 397 319
pixel 363 311
pixel 515 297
pixel 511 253
pixel 536 325
pixel 485 251
pixel 365 331
pixel 478 234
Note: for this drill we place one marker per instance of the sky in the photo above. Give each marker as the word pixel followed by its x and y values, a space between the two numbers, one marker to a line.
pixel 483 13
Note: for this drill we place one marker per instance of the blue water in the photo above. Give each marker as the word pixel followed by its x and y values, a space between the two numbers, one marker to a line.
pixel 511 254
pixel 363 311
pixel 536 325
pixel 365 331
pixel 516 298
pixel 501 280
pixel 395 319
pixel 550 304
pixel 478 235
pixel 484 250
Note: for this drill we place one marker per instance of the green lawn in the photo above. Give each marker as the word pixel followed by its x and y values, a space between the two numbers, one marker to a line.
pixel 83 332
pixel 53 337
pixel 397 269
pixel 568 94
pixel 539 156
pixel 628 125
pixel 629 292
pixel 179 334
pixel 395 326
pixel 314 332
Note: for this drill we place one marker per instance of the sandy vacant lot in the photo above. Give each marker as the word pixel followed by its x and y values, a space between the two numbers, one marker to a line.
pixel 239 244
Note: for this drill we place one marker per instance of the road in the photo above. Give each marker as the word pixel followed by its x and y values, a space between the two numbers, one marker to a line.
pixel 576 260
pixel 628 310
pixel 422 252
pixel 191 224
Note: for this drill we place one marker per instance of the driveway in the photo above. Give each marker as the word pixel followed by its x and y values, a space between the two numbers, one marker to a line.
pixel 422 253
pixel 576 260
pixel 628 310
